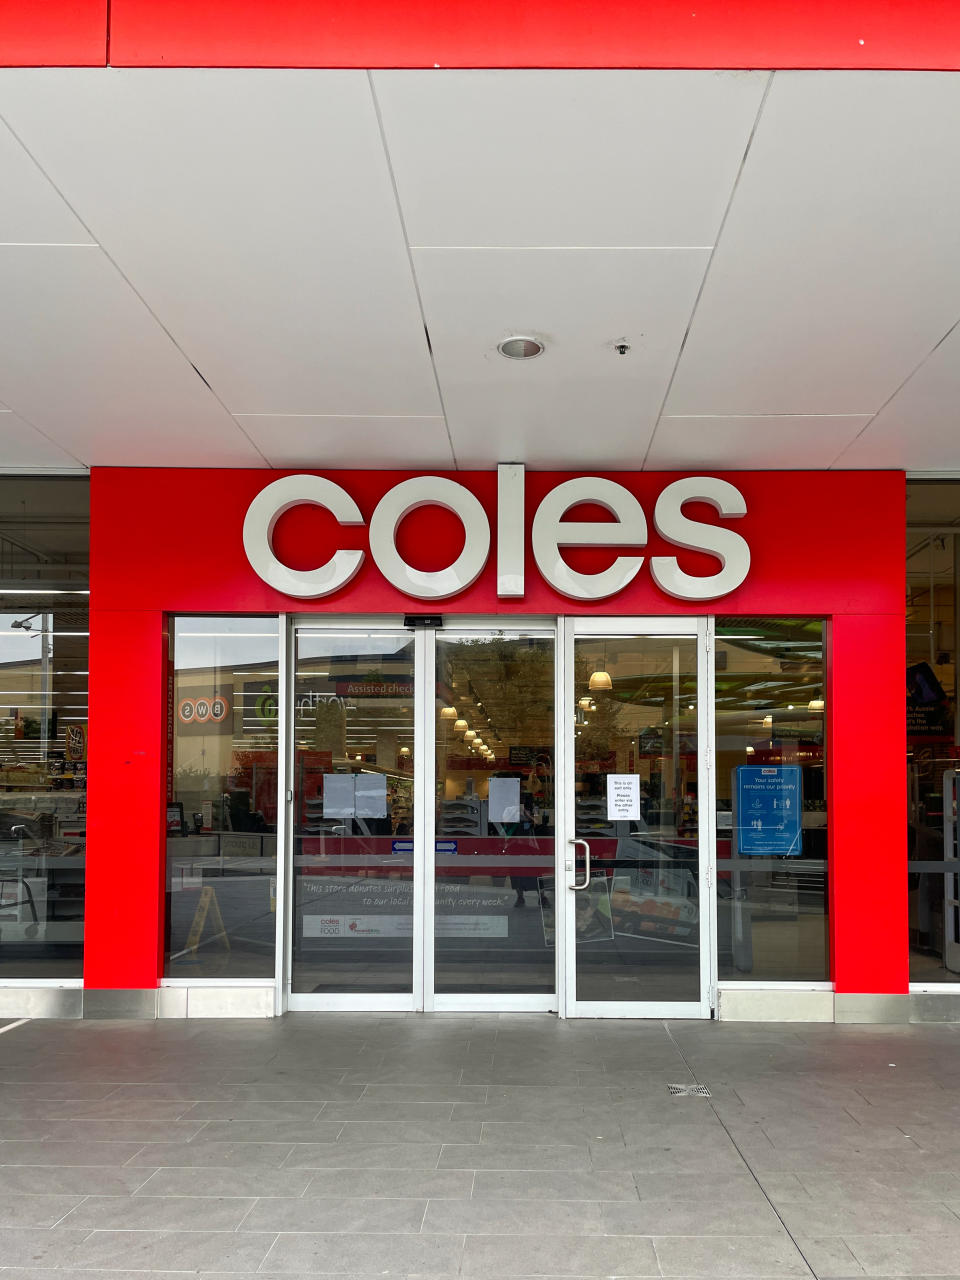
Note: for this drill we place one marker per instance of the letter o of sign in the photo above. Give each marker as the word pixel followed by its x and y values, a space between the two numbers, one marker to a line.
pixel 423 491
pixel 261 518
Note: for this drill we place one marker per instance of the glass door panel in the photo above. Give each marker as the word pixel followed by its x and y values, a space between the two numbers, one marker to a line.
pixel 636 775
pixel 353 787
pixel 495 812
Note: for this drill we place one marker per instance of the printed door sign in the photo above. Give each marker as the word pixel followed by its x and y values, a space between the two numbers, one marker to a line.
pixel 769 810
pixel 623 796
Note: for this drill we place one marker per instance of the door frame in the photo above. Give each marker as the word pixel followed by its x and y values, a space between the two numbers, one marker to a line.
pixel 691 627
pixel 422 997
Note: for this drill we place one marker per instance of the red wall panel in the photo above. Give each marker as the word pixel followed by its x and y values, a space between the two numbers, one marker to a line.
pixel 53 33
pixel 866 719
pixel 123 935
pixel 924 34
pixel 821 542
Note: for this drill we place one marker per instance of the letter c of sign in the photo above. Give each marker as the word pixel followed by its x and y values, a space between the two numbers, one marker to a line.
pixel 261 518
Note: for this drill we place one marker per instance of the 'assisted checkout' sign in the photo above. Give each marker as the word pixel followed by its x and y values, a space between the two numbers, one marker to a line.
pixel 769 810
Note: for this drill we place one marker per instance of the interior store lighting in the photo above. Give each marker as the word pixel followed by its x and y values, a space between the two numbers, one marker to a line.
pixel 469 735
pixel 460 726
pixel 449 713
pixel 600 680
pixel 815 704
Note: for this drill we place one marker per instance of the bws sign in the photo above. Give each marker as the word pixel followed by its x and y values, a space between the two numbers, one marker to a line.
pixel 550 532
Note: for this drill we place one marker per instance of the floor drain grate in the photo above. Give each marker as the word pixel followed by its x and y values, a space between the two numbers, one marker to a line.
pixel 688 1090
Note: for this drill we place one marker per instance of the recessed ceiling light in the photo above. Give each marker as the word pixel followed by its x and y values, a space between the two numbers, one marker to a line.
pixel 520 348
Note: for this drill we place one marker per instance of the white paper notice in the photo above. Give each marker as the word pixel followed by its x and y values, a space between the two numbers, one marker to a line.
pixel 371 795
pixel 504 799
pixel 338 797
pixel 623 796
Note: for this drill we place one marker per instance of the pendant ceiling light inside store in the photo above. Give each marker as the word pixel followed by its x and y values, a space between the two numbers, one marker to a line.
pixel 815 704
pixel 404 751
pixel 600 680
pixel 469 735
pixel 520 348
pixel 448 713
pixel 460 726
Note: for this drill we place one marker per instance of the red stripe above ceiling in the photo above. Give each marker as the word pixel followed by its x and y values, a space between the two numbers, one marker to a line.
pixel 53 33
pixel 886 34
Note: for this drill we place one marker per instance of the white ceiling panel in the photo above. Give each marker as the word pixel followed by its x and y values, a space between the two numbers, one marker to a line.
pixel 579 402
pixel 751 444
pixel 919 430
pixel 566 157
pixel 837 269
pixel 31 210
pixel 305 440
pixel 254 212
pixel 21 445
pixel 85 362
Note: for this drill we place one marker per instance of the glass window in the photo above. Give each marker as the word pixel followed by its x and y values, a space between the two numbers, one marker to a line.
pixel 933 730
pixel 44 625
pixel 494 913
pixel 771 801
pixel 222 803
pixel 353 803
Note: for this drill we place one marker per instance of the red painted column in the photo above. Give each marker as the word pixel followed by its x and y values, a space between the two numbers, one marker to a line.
pixel 126 799
pixel 867 803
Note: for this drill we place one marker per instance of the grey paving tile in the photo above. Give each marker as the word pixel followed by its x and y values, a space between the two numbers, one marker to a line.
pixel 442 1131
pixel 828 1256
pixel 377 1214
pixel 171 1250
pixel 35 1247
pixel 558 1255
pixel 513 1217
pixel 371 1110
pixel 213 1182
pixel 556 1132
pixel 738 1185
pixel 173 1155
pixel 70 1180
pixel 365 1254
pixel 507 1184
pixel 852 1215
pixel 274 1112
pixel 120 1109
pixel 35 1210
pixel 56 1090
pixel 267 1131
pixel 365 1155
pixel 905 1255
pixel 140 1131
pixel 68 1153
pixel 159 1213
pixel 447 1184
pixel 721 1255
pixel 506 1156
pixel 690 1216
pixel 653 1159
pixel 454 1094
pixel 312 1090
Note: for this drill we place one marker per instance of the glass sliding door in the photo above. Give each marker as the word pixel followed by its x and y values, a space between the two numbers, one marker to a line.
pixel 637 899
pixel 353 779
pixel 494 887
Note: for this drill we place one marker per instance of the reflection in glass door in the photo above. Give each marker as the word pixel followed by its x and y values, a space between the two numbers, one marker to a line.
pixel 353 814
pixel 636 902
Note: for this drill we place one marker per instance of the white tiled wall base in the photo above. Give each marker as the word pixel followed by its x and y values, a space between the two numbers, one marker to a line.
pixel 772 1005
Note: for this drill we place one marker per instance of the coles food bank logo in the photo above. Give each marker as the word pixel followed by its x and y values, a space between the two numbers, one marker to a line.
pixel 549 533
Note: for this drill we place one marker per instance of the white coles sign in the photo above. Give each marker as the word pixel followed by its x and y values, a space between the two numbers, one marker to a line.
pixel 551 531
pixel 623 796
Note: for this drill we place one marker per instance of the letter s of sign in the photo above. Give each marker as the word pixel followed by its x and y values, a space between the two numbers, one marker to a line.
pixel 729 548
pixel 261 518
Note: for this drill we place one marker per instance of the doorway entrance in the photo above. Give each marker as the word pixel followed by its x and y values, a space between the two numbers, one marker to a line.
pixel 499 817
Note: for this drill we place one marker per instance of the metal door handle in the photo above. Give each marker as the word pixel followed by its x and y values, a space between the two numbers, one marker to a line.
pixel 586 866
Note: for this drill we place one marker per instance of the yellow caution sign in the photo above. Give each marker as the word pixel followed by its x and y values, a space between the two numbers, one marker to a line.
pixel 207 908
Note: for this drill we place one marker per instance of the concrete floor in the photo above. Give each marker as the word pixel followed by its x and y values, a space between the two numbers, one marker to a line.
pixel 482 1146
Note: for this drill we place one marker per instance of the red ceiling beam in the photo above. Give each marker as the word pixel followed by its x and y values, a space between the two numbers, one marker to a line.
pixel 852 34
pixel 53 33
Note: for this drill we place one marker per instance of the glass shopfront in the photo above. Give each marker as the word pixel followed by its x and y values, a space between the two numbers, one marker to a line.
pixel 487 816
pixel 44 628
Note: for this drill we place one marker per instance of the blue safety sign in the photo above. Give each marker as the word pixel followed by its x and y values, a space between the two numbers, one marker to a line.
pixel 769 810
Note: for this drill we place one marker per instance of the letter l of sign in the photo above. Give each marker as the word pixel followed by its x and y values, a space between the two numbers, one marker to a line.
pixel 510 519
